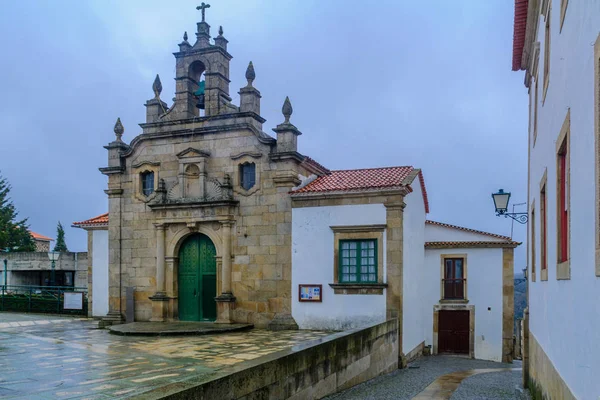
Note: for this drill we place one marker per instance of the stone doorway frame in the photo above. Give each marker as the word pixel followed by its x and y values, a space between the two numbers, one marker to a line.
pixel 172 260
pixel 454 307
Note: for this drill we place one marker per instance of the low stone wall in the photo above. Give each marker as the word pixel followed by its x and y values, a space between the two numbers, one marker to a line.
pixel 308 371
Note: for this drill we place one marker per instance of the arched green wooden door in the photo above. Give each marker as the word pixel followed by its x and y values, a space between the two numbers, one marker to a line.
pixel 197 279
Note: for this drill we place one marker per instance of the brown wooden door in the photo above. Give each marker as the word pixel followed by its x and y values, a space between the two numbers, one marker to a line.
pixel 453 335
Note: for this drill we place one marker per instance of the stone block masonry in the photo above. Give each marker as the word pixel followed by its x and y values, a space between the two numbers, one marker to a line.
pixel 311 371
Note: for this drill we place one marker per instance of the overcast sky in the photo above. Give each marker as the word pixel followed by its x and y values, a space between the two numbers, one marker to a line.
pixel 391 82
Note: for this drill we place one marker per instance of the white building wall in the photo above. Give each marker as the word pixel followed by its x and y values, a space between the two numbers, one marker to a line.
pixel 564 315
pixel 413 319
pixel 313 263
pixel 484 290
pixel 100 273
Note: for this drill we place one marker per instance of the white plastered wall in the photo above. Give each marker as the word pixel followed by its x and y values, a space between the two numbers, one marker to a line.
pixel 100 273
pixel 564 314
pixel 313 263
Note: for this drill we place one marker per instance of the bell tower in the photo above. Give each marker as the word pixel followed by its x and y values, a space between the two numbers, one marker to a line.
pixel 198 61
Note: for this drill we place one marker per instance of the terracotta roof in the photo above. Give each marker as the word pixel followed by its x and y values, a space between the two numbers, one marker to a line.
pixel 367 179
pixel 37 236
pixel 96 221
pixel 460 228
pixel 509 243
pixel 520 26
pixel 358 179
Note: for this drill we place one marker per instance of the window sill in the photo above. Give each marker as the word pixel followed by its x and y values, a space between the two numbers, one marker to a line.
pixel 454 301
pixel 563 270
pixel 544 275
pixel 361 288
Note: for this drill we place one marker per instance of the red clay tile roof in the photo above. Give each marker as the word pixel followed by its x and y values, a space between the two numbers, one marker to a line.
pixel 471 244
pixel 37 236
pixel 356 180
pixel 520 26
pixel 460 228
pixel 96 221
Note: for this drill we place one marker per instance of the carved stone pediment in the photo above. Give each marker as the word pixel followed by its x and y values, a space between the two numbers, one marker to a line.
pixel 192 153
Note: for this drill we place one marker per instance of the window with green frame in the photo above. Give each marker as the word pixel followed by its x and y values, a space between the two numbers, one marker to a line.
pixel 358 261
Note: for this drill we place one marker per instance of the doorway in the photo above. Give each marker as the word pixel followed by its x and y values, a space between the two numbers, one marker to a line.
pixel 453 332
pixel 197 279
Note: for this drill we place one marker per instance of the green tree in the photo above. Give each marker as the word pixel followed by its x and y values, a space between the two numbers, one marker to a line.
pixel 61 245
pixel 14 234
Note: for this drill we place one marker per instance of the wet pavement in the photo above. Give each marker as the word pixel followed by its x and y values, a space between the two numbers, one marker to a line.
pixel 443 378
pixel 46 357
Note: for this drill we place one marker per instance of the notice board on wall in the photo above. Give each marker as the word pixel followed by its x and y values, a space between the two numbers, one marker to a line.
pixel 73 301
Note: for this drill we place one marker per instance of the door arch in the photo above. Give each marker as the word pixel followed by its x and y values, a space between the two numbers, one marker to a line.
pixel 197 279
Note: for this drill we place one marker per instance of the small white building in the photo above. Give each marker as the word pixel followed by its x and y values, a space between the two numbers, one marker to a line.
pixel 97 230
pixel 362 251
pixel 557 44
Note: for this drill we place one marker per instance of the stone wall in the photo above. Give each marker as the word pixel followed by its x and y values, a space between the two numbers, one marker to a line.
pixel 38 261
pixel 310 371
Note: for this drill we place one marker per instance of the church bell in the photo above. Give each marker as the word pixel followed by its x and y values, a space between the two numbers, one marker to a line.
pixel 200 95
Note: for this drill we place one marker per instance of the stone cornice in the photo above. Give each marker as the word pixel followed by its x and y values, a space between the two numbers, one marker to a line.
pixel 400 190
pixel 246 154
pixel 197 130
pixel 204 50
pixel 194 204
pixel 470 245
pixel 142 163
pixel 112 170
pixel 359 228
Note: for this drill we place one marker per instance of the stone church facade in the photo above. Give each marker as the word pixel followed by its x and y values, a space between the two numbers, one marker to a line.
pixel 213 186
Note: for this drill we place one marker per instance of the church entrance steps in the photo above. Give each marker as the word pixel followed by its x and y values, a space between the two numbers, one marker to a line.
pixel 176 328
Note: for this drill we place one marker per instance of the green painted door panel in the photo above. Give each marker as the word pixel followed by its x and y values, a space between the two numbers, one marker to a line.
pixel 197 279
pixel 209 292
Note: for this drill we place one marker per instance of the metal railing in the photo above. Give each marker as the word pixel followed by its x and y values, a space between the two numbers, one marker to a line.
pixel 453 289
pixel 40 299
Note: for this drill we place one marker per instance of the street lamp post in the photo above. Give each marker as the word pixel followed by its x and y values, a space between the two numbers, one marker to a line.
pixel 53 256
pixel 501 200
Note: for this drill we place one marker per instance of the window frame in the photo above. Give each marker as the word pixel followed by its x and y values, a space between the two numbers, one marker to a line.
pixel 544 228
pixel 144 180
pixel 563 212
pixel 242 174
pixel 597 146
pixel 563 12
pixel 533 242
pixel 359 232
pixel 455 256
pixel 547 44
pixel 359 258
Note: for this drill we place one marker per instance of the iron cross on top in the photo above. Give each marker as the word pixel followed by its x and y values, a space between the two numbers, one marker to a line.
pixel 203 7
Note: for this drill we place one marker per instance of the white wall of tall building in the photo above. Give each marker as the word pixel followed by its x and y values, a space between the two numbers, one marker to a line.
pixel 313 263
pixel 413 318
pixel 564 316
pixel 99 273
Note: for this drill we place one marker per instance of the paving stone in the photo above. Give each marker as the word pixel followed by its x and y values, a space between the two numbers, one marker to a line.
pixel 76 360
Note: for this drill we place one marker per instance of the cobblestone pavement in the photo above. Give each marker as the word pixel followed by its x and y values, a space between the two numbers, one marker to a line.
pixel 63 358
pixel 412 382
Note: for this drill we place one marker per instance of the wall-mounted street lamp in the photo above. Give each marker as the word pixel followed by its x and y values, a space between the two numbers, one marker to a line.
pixel 53 256
pixel 501 203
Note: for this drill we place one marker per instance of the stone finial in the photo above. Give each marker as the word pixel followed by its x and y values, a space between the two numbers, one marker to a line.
pixel 185 36
pixel 119 129
pixel 250 74
pixel 157 87
pixel 287 110
pixel 220 30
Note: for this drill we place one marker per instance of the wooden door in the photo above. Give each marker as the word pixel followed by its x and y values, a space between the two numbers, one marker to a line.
pixel 453 332
pixel 197 279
